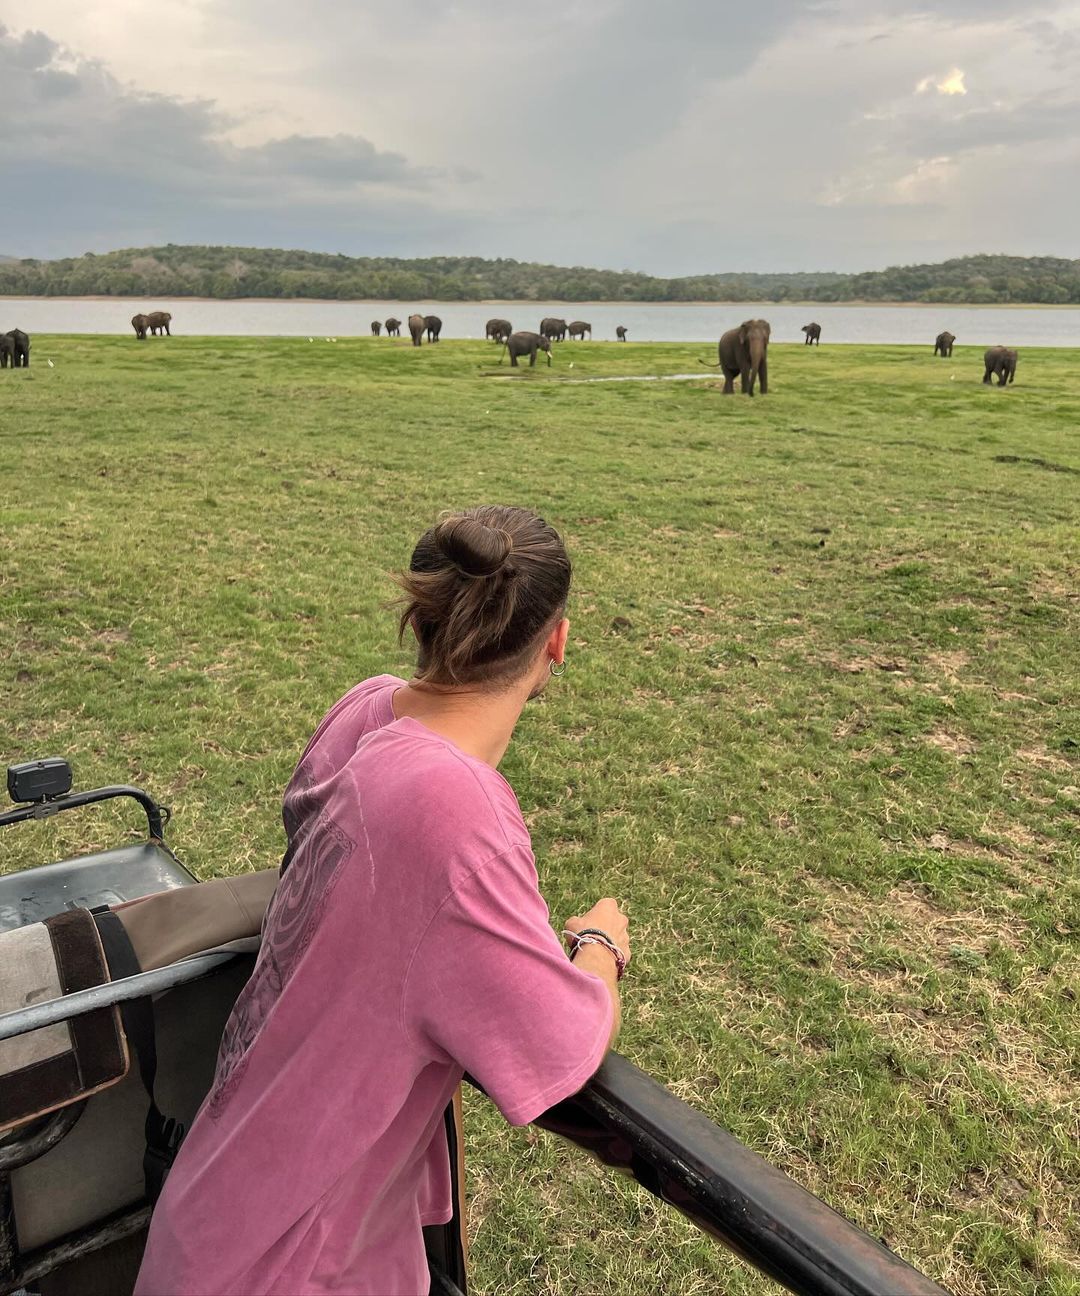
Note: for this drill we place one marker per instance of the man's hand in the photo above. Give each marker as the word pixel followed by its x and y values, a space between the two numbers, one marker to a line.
pixel 610 919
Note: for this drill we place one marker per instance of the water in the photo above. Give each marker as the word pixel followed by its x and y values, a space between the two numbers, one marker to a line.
pixel 646 322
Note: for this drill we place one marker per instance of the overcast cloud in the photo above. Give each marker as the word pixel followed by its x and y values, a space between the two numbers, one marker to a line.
pixel 679 138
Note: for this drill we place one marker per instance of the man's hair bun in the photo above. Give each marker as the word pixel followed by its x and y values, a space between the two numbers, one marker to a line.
pixel 472 546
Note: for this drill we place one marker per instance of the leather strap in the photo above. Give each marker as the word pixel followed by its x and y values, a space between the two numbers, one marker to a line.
pixel 163 1134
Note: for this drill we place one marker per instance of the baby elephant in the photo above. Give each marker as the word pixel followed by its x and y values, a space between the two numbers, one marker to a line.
pixel 620 332
pixel 813 334
pixel 140 323
pixel 376 328
pixel 15 347
pixel 943 344
pixel 1001 361
pixel 520 344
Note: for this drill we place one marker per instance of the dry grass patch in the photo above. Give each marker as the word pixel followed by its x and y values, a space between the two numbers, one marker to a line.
pixel 955 744
pixel 1044 759
pixel 948 664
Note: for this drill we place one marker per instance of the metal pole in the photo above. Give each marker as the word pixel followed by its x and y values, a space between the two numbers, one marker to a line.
pixel 24 1020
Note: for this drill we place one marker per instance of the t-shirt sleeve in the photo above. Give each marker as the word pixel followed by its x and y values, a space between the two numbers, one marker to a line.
pixel 491 987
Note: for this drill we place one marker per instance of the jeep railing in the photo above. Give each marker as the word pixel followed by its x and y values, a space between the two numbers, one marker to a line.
pixel 622 1117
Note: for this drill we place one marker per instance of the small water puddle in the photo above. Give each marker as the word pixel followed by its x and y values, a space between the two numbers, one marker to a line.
pixel 683 377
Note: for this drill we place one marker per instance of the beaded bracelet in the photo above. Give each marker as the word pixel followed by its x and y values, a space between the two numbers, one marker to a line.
pixel 594 936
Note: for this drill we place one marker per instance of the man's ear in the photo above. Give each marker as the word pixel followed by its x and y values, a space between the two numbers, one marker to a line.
pixel 556 644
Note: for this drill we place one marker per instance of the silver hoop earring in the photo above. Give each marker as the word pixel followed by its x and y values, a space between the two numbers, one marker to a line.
pixel 557 668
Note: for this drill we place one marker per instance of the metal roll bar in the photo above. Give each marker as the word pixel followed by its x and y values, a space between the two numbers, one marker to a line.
pixel 634 1125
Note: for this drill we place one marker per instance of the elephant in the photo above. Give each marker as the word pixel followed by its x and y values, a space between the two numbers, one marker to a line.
pixel 553 329
pixel 158 320
pixel 376 328
pixel 578 329
pixel 416 329
pixel 943 344
pixel 519 344
pixel 620 333
pixel 140 323
pixel 1001 361
pixel 434 327
pixel 16 346
pixel 743 354
pixel 498 330
pixel 813 334
pixel 393 327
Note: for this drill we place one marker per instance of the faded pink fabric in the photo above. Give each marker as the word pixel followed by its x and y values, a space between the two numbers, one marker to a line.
pixel 407 942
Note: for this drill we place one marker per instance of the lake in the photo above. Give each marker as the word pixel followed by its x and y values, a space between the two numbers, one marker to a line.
pixel 645 321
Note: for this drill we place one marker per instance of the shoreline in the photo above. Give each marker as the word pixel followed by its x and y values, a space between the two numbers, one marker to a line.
pixel 860 303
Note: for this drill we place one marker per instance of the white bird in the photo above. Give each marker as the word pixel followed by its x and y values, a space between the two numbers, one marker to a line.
pixel 571 364
pixel 50 364
pixel 311 339
pixel 333 339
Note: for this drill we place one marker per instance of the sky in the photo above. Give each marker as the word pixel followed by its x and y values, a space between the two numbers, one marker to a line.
pixel 693 136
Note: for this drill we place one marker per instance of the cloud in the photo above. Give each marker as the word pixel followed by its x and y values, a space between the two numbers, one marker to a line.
pixel 123 158
pixel 951 84
pixel 673 139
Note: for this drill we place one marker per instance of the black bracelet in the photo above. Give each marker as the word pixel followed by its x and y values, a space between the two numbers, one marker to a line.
pixel 594 931
pixel 596 936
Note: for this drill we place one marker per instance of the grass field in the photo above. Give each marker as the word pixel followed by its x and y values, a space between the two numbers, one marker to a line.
pixel 829 756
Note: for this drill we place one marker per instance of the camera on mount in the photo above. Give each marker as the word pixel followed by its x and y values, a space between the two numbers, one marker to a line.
pixel 40 780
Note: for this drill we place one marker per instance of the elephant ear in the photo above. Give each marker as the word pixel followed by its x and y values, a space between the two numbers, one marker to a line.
pixel 743 338
pixel 768 329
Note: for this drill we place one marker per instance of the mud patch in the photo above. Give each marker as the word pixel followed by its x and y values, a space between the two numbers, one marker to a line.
pixel 1035 462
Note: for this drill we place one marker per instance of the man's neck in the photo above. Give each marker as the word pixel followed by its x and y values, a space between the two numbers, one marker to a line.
pixel 481 722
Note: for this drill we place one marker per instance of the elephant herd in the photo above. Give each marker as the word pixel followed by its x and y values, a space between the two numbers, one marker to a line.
pixel 420 326
pixel 743 354
pixel 998 361
pixel 15 349
pixel 156 322
pixel 554 330
pixel 742 351
pixel 496 330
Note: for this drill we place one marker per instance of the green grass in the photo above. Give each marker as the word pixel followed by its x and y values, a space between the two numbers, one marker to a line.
pixel 832 765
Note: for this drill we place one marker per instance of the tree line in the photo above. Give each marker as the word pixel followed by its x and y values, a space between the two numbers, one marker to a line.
pixel 228 272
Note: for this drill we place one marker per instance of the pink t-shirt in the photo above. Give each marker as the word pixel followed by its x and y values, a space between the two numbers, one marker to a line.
pixel 407 942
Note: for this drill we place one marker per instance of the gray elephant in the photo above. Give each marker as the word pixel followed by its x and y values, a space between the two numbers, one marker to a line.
pixel 15 346
pixel 498 330
pixel 553 329
pixel 376 328
pixel 1000 361
pixel 620 333
pixel 519 344
pixel 813 334
pixel 140 323
pixel 434 327
pixel 743 354
pixel 157 321
pixel 393 327
pixel 578 329
pixel 943 344
pixel 416 329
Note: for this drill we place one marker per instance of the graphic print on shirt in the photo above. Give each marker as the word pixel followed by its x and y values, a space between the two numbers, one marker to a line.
pixel 298 904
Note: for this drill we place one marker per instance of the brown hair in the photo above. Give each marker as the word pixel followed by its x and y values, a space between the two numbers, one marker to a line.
pixel 483 587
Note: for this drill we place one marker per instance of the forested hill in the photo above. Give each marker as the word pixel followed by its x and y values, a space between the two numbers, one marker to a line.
pixel 187 271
